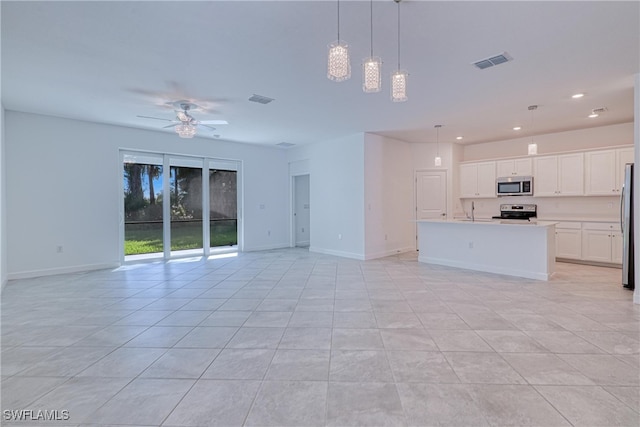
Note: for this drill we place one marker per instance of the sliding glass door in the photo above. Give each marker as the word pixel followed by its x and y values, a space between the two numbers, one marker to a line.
pixel 186 206
pixel 223 204
pixel 143 197
pixel 200 216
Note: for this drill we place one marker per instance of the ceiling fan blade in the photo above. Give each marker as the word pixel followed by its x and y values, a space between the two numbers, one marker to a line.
pixel 170 126
pixel 213 122
pixel 155 118
pixel 207 126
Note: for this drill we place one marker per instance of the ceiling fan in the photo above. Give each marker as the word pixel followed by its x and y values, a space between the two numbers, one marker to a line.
pixel 185 124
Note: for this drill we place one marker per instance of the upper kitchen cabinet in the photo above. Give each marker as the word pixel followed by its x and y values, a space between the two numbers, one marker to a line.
pixel 561 175
pixel 604 171
pixel 514 167
pixel 478 180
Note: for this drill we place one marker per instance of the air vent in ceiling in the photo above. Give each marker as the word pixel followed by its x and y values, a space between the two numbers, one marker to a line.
pixel 260 99
pixel 285 144
pixel 494 60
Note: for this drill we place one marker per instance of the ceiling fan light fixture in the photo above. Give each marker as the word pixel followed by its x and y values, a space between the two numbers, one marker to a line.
pixel 185 130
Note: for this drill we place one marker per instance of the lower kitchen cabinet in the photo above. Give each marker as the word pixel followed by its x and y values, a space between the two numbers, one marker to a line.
pixel 601 242
pixel 569 240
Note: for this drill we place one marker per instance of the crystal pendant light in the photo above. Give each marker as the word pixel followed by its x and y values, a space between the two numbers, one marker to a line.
pixel 532 148
pixel 185 130
pixel 438 160
pixel 399 77
pixel 371 67
pixel 338 65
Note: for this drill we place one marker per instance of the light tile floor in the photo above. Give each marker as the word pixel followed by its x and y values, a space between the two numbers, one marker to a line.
pixel 289 337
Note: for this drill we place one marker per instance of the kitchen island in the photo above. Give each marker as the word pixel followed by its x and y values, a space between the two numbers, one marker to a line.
pixel 515 248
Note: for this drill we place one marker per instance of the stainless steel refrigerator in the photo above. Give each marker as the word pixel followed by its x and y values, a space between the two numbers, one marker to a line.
pixel 626 223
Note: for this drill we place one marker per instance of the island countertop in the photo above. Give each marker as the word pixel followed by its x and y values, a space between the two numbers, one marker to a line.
pixel 512 247
pixel 489 221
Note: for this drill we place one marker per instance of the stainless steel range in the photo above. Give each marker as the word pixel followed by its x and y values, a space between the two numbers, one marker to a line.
pixel 523 212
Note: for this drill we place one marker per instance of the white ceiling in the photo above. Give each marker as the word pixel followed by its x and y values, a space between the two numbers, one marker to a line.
pixel 112 61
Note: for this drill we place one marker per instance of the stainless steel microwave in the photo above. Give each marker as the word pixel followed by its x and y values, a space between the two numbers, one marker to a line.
pixel 514 186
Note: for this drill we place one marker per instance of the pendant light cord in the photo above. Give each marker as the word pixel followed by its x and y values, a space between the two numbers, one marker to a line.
pixel 398 1
pixel 338 21
pixel 371 4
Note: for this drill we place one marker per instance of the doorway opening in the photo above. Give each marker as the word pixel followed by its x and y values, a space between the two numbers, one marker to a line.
pixel 431 196
pixel 301 211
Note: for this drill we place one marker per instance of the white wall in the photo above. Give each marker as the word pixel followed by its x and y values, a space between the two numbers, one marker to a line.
pixel 336 169
pixel 583 139
pixel 3 206
pixel 65 190
pixel 388 196
pixel 636 186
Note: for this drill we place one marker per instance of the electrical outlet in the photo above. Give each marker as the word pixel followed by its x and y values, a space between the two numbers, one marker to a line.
pixel 339 236
pixel 268 232
pixel 385 237
pixel 303 229
pixel 59 249
pixel 470 245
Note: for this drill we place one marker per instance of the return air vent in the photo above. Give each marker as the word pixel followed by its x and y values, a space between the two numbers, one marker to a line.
pixel 494 60
pixel 260 99
pixel 285 144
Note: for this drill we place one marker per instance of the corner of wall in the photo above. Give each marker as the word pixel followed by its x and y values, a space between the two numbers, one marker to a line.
pixel 3 214
pixel 636 184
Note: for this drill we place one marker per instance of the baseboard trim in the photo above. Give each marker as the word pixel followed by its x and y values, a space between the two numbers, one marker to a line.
pixel 342 254
pixel 61 270
pixel 595 263
pixel 265 248
pixel 387 253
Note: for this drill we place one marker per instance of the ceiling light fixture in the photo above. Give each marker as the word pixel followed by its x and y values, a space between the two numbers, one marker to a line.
pixel 338 65
pixel 438 160
pixel 186 130
pixel 532 148
pixel 458 138
pixel 371 66
pixel 399 77
pixel 577 95
pixel 517 128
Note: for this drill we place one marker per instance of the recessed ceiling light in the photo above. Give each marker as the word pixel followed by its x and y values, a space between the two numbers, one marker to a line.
pixel 577 95
pixel 458 138
pixel 593 115
pixel 517 128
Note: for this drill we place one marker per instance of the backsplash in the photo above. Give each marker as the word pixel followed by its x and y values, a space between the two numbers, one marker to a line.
pixel 559 208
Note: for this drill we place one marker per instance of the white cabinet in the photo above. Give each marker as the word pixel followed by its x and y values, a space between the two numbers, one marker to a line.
pixel 616 247
pixel 604 171
pixel 561 175
pixel 601 242
pixel 623 156
pixel 569 240
pixel 478 180
pixel 514 167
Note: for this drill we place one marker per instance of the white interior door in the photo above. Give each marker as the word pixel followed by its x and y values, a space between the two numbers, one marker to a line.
pixel 301 213
pixel 431 194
